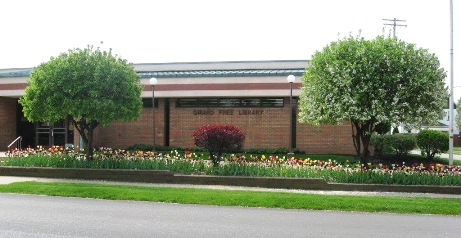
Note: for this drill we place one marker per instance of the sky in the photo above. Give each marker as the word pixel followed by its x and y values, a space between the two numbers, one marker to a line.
pixel 160 31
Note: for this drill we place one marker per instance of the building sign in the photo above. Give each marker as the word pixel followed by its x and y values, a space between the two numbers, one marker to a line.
pixel 230 112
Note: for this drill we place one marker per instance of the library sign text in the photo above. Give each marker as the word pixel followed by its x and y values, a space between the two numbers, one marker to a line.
pixel 241 112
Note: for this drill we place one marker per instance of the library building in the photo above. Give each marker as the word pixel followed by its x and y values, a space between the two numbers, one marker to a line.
pixel 256 96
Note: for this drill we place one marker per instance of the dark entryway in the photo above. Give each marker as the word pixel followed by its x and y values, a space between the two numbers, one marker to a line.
pixel 44 133
pixel 48 134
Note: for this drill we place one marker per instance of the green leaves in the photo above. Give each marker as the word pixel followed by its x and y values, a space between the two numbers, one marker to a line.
pixel 87 83
pixel 369 82
pixel 384 78
pixel 92 86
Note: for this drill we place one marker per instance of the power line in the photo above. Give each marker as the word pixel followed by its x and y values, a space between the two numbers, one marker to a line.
pixel 394 24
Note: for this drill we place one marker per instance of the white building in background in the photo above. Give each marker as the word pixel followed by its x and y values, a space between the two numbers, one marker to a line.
pixel 443 124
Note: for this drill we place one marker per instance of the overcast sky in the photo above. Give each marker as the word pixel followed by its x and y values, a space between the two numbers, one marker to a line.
pixel 197 30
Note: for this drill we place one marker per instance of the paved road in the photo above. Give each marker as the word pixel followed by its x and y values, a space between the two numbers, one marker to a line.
pixel 42 216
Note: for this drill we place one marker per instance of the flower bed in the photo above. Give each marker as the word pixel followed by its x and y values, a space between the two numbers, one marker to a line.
pixel 241 165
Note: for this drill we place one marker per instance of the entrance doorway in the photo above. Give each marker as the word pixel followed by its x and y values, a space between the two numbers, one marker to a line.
pixel 49 134
pixel 43 133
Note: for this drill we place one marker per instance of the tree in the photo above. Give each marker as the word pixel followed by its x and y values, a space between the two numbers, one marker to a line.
pixel 218 139
pixel 91 86
pixel 368 82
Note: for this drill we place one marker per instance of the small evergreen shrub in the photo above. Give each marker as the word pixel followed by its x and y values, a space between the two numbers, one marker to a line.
pixel 140 147
pixel 218 139
pixel 144 147
pixel 402 144
pixel 396 144
pixel 271 151
pixel 381 145
pixel 432 142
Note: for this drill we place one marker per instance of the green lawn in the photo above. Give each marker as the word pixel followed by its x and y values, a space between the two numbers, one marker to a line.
pixel 444 206
pixel 457 150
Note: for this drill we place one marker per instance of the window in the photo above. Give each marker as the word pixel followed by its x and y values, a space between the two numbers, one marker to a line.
pixel 147 103
pixel 229 102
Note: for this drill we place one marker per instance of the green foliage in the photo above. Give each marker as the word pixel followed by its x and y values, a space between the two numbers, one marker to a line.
pixel 346 174
pixel 144 147
pixel 140 147
pixel 268 151
pixel 138 163
pixel 432 142
pixel 402 144
pixel 396 144
pixel 92 86
pixel 381 145
pixel 368 82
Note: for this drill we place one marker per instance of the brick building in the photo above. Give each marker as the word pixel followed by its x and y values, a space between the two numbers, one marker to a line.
pixel 254 96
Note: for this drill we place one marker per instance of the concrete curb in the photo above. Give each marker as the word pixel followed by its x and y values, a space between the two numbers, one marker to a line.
pixel 167 177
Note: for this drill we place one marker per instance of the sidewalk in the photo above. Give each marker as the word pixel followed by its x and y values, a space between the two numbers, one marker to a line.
pixel 455 157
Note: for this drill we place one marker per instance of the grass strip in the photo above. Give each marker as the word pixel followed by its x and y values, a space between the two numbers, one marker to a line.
pixel 444 206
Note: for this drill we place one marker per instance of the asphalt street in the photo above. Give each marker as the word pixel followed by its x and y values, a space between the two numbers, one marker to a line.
pixel 43 216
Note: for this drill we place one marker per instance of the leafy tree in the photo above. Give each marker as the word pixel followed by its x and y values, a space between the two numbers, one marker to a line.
pixel 218 139
pixel 91 86
pixel 432 142
pixel 368 82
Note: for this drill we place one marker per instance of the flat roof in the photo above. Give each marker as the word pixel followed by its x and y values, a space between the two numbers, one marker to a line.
pixel 202 69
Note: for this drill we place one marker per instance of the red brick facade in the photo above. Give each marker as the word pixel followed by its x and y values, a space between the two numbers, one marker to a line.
pixel 7 121
pixel 124 134
pixel 263 127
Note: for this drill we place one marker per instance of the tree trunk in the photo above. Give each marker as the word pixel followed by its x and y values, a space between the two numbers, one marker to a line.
pixel 86 129
pixel 89 144
pixel 361 134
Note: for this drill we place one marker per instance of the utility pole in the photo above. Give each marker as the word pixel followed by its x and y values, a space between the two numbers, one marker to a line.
pixel 451 113
pixel 395 20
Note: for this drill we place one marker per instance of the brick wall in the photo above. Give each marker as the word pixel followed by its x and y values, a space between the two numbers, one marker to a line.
pixel 7 121
pixel 325 139
pixel 263 127
pixel 123 134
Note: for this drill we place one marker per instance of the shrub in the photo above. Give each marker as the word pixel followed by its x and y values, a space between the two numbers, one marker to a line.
pixel 271 151
pixel 381 145
pixel 144 147
pixel 432 142
pixel 218 139
pixel 402 144
pixel 139 147
pixel 396 144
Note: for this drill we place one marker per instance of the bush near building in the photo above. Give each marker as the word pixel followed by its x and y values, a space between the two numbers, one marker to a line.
pixel 432 142
pixel 218 139
pixel 398 145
